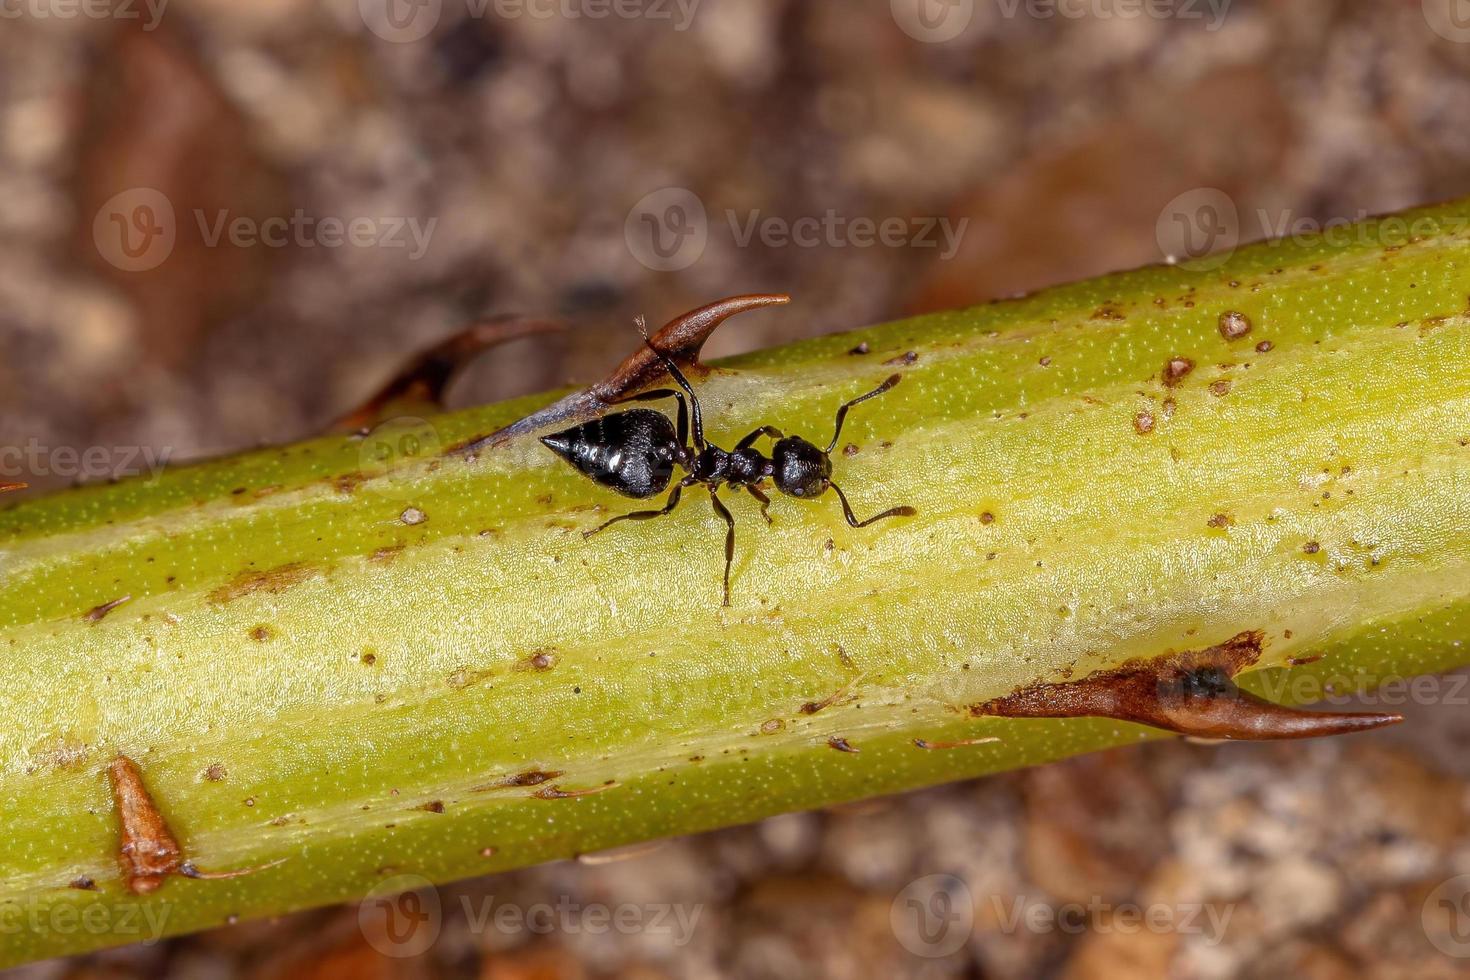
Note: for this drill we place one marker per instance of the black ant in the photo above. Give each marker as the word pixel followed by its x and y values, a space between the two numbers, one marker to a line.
pixel 634 453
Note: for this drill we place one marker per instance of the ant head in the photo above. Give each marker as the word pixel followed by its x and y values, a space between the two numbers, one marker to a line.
pixel 800 469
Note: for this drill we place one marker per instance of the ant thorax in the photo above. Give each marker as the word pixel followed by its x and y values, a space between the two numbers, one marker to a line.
pixel 743 467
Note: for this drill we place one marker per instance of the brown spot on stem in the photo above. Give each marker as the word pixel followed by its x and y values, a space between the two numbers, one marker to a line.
pixel 1234 325
pixel 907 357
pixel 531 777
pixel 215 773
pixel 1311 547
pixel 539 660
pixel 841 695
pixel 1191 693
pixel 1176 369
pixel 681 339
pixel 841 744
pixel 386 555
pixel 347 483
pixel 1220 520
pixel 1264 347
pixel 261 633
pixel 272 581
pixel 1220 388
pixel 861 348
pixel 1143 423
pixel 433 806
pixel 83 883
pixel 95 614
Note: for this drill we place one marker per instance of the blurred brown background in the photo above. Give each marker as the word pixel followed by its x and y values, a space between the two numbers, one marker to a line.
pixel 523 140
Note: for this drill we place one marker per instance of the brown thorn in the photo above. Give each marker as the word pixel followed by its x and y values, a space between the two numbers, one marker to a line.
pixel 188 870
pixel 96 613
pixel 1191 693
pixel 421 383
pixel 7 487
pixel 148 851
pixel 924 743
pixel 557 793
pixel 681 339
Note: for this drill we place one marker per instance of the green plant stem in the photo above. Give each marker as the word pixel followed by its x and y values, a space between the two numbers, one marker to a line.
pixel 301 674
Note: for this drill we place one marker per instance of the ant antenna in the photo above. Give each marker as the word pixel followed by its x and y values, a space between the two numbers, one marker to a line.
pixel 842 412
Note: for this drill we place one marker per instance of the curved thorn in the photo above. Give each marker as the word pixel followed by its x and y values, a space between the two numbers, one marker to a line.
pixel 1189 693
pixel 681 339
pixel 421 383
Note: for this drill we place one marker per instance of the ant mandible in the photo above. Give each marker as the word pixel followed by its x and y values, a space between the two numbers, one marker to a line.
pixel 634 453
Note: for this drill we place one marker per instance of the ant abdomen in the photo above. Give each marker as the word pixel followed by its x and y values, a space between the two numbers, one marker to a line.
pixel 631 452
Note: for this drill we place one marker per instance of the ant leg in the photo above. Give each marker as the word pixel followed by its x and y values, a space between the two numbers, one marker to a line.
pixel 658 393
pixel 854 522
pixel 724 512
pixel 683 382
pixel 842 412
pixel 641 515
pixel 765 430
pixel 765 502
